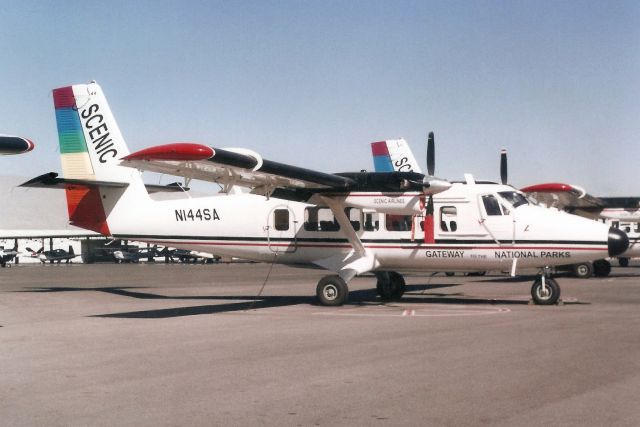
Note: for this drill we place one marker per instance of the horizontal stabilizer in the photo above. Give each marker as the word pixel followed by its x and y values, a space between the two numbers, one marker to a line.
pixel 51 180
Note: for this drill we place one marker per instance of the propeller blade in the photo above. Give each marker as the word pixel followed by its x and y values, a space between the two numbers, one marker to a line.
pixel 431 155
pixel 503 166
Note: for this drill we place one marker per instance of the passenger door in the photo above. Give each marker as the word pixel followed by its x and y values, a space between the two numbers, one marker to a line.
pixel 281 230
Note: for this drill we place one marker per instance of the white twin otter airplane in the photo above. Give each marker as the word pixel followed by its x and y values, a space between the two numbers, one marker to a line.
pixel 347 223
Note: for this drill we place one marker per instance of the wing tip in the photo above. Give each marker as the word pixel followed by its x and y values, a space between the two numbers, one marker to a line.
pixel 181 151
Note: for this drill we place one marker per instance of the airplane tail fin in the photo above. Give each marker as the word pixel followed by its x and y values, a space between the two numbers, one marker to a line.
pixel 91 147
pixel 71 251
pixel 393 155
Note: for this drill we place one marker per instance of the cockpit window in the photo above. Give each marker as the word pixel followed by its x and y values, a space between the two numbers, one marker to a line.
pixel 491 205
pixel 516 199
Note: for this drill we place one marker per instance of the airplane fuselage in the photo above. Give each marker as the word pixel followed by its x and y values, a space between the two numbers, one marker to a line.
pixel 467 236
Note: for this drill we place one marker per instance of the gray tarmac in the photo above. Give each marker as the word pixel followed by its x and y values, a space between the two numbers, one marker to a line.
pixel 175 345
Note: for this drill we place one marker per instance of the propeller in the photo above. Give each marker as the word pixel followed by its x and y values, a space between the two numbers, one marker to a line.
pixel 429 236
pixel 431 154
pixel 503 166
pixel 430 186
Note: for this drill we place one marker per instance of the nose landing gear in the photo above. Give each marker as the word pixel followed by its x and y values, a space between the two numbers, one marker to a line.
pixel 545 290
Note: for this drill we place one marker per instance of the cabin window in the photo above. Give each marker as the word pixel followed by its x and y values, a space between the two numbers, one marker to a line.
pixel 398 222
pixel 615 224
pixel 626 228
pixel 371 222
pixel 354 217
pixel 281 219
pixel 448 218
pixel 491 205
pixel 320 219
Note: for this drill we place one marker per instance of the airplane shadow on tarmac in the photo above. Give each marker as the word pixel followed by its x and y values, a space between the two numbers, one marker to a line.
pixel 415 294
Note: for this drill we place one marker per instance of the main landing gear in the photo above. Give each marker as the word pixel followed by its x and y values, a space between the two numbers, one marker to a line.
pixel 545 290
pixel 391 285
pixel 333 290
pixel 601 268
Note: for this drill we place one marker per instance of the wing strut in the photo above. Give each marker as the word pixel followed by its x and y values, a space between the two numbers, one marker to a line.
pixel 356 262
pixel 345 224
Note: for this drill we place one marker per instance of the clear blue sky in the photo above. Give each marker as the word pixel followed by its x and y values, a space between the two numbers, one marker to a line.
pixel 311 83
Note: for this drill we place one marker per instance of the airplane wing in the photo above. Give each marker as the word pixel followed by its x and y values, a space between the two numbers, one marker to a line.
pixel 567 197
pixel 14 145
pixel 575 200
pixel 230 167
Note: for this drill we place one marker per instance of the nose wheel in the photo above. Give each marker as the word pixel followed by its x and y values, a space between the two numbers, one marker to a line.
pixel 390 285
pixel 545 291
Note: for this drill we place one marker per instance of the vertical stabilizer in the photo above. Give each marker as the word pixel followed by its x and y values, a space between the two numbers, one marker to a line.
pixel 91 147
pixel 91 144
pixel 393 155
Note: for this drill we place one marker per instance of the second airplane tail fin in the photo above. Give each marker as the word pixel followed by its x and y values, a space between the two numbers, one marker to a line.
pixel 393 155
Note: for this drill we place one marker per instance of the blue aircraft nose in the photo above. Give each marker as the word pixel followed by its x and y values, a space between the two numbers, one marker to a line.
pixel 618 242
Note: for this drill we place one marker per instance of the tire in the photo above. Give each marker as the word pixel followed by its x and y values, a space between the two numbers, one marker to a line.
pixel 449 273
pixel 601 268
pixel 583 271
pixel 624 262
pixel 393 288
pixel 332 291
pixel 399 285
pixel 552 291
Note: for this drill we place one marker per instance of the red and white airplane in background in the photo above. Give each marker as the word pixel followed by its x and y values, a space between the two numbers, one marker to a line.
pixel 620 212
pixel 348 223
pixel 14 145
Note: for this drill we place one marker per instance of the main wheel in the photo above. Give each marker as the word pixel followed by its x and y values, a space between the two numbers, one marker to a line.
pixel 601 268
pixel 332 291
pixel 547 296
pixel 391 286
pixel 624 262
pixel 583 271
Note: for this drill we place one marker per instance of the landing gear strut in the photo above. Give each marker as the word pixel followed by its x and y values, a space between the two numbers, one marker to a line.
pixel 545 290
pixel 332 291
pixel 390 285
